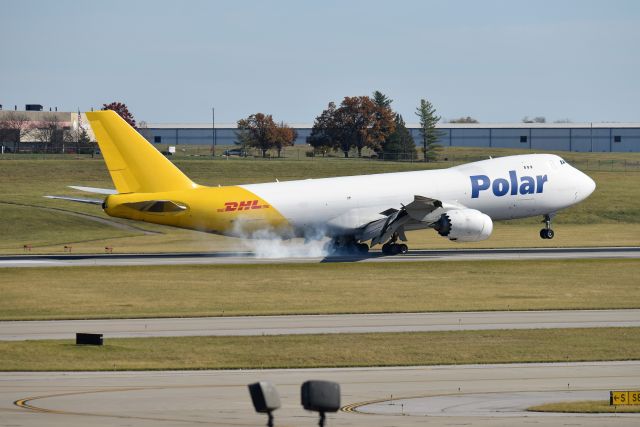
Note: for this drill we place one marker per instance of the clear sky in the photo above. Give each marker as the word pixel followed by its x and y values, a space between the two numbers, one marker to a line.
pixel 171 61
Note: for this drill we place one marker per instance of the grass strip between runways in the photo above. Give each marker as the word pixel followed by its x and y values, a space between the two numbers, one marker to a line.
pixel 235 290
pixel 326 350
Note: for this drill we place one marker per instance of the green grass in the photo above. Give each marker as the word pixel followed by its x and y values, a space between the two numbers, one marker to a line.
pixel 585 407
pixel 339 350
pixel 262 289
pixel 616 203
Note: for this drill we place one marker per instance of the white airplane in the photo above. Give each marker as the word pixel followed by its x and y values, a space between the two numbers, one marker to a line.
pixel 460 202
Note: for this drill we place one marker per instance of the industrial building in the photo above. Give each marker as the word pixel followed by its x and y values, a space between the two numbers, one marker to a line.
pixel 584 137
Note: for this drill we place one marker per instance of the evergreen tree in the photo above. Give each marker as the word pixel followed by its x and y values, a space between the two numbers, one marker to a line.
pixel 381 99
pixel 430 135
pixel 400 144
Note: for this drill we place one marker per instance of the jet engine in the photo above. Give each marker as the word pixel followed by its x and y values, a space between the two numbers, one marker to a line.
pixel 464 225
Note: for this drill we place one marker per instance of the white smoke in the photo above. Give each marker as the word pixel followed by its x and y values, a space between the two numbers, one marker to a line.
pixel 270 245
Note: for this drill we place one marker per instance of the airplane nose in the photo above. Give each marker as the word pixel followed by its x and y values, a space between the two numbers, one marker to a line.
pixel 590 185
pixel 586 186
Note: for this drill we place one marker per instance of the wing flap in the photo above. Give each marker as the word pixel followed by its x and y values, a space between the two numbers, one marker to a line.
pixel 421 209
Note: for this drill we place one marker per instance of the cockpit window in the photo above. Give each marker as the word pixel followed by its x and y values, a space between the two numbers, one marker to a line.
pixel 562 162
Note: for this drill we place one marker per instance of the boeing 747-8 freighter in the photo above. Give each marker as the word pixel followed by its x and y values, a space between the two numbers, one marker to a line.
pixel 460 203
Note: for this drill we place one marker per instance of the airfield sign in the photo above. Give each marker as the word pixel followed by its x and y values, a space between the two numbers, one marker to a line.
pixel 624 398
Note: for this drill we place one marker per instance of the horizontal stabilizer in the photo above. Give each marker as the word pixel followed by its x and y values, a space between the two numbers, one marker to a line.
pixel 156 206
pixel 94 190
pixel 76 199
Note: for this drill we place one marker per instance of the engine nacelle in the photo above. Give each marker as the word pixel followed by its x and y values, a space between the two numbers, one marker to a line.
pixel 464 225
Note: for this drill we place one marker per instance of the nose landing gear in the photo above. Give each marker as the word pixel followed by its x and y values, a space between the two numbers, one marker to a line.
pixel 547 232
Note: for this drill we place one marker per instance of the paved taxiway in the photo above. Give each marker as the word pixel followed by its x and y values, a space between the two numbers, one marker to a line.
pixel 319 324
pixel 479 395
pixel 250 258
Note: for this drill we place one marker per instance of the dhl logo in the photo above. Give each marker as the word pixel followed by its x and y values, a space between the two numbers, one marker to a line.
pixel 244 205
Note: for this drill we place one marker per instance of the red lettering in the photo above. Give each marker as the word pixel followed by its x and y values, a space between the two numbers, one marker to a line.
pixel 245 205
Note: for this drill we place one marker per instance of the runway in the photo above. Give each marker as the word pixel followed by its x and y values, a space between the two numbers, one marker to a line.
pixel 319 324
pixel 83 260
pixel 478 395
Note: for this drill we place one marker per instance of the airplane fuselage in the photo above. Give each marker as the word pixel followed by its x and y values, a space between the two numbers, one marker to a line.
pixel 502 188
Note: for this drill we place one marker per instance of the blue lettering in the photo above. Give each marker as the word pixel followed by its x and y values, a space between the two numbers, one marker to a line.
pixel 514 182
pixel 500 187
pixel 527 186
pixel 479 183
pixel 541 179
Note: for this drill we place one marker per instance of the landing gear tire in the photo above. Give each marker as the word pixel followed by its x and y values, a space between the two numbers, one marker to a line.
pixel 346 247
pixel 394 248
pixel 547 233
pixel 362 248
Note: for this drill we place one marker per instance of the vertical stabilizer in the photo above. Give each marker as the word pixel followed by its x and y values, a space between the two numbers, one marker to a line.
pixel 134 164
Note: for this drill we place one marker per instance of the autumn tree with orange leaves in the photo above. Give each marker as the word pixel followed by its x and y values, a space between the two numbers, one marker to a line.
pixel 357 123
pixel 261 132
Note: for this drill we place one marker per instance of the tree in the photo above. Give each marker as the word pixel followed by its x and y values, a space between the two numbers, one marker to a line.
pixel 50 132
pixel 284 136
pixel 400 143
pixel 381 99
pixel 14 126
pixel 78 136
pixel 537 119
pixel 467 119
pixel 357 123
pixel 122 111
pixel 430 135
pixel 324 133
pixel 258 131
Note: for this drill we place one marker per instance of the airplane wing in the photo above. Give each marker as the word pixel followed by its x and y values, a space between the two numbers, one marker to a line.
pixel 420 210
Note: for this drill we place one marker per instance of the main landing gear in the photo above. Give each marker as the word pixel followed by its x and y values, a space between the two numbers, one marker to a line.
pixel 547 232
pixel 393 248
pixel 345 245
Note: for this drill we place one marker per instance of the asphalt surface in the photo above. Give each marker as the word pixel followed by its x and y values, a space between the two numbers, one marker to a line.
pixel 79 260
pixel 319 324
pixel 478 395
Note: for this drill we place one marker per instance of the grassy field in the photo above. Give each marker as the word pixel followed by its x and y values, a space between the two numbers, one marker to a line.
pixel 311 351
pixel 585 407
pixel 611 216
pixel 231 290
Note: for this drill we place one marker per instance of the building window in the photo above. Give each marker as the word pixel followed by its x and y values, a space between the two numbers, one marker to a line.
pixel 157 139
pixel 617 138
pixel 523 138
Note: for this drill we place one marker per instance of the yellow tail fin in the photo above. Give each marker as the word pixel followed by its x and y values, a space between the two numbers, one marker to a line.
pixel 134 164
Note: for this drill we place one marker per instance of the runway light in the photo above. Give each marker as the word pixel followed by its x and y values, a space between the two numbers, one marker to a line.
pixel 320 396
pixel 265 399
